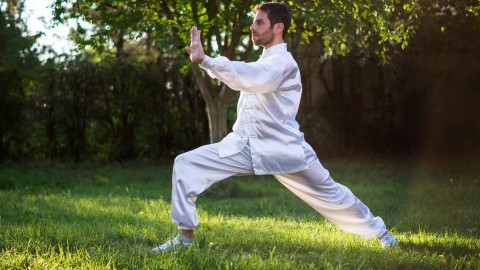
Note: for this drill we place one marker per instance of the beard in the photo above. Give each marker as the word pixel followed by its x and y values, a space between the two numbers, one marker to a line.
pixel 262 39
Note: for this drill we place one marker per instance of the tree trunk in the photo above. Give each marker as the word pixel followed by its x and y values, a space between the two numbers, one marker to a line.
pixel 216 98
pixel 217 119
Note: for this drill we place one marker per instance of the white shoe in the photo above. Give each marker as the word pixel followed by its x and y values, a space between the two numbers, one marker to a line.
pixel 179 240
pixel 388 240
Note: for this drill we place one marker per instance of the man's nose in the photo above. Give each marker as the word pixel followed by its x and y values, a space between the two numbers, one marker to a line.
pixel 252 27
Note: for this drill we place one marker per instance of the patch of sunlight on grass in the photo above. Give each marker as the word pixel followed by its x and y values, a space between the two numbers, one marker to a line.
pixel 108 217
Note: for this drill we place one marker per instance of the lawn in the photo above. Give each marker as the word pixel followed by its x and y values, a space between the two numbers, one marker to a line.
pixel 108 216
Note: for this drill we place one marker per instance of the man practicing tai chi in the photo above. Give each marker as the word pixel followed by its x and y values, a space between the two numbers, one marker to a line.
pixel 266 138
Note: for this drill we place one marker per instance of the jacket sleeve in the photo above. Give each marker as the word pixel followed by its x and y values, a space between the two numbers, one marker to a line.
pixel 255 77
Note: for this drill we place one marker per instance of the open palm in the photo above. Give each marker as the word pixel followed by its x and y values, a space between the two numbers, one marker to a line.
pixel 195 50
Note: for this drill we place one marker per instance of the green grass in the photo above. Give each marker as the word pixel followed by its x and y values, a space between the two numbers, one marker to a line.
pixel 96 216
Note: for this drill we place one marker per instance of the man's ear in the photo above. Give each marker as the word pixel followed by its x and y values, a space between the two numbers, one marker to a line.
pixel 278 28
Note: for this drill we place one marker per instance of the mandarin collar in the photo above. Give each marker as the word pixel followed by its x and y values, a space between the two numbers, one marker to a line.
pixel 279 48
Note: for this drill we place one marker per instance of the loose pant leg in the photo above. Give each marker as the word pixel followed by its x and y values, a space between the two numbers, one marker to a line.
pixel 334 201
pixel 195 171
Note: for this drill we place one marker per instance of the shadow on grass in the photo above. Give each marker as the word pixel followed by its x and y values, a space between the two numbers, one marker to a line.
pixel 455 250
pixel 121 210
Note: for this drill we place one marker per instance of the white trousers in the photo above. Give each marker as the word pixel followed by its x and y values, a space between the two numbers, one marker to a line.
pixel 195 171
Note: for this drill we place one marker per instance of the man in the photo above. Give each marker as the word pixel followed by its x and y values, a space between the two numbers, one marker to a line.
pixel 266 138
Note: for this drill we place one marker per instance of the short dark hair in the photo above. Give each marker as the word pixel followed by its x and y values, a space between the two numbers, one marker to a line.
pixel 277 13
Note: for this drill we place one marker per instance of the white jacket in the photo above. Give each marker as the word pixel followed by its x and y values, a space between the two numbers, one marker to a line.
pixel 270 95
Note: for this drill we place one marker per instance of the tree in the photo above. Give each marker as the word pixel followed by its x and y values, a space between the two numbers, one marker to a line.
pixel 361 29
pixel 18 60
pixel 165 25
pixel 224 26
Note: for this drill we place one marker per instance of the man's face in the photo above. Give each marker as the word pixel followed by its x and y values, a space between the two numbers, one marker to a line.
pixel 262 32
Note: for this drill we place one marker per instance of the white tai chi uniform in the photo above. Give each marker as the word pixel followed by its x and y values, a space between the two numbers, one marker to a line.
pixel 266 140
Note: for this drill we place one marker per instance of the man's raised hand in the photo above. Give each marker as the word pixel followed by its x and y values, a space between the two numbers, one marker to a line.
pixel 195 50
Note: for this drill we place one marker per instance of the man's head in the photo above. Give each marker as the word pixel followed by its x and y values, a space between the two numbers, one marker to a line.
pixel 270 24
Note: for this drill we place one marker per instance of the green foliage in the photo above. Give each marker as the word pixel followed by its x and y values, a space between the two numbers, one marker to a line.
pixel 366 28
pixel 163 25
pixel 131 93
pixel 115 109
pixel 358 31
pixel 18 62
pixel 15 46
pixel 94 216
pixel 363 29
pixel 11 108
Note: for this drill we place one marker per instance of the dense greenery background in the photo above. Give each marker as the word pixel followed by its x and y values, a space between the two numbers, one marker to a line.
pixel 128 92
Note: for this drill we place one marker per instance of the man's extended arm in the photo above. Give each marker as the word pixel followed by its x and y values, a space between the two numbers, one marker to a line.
pixel 255 77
